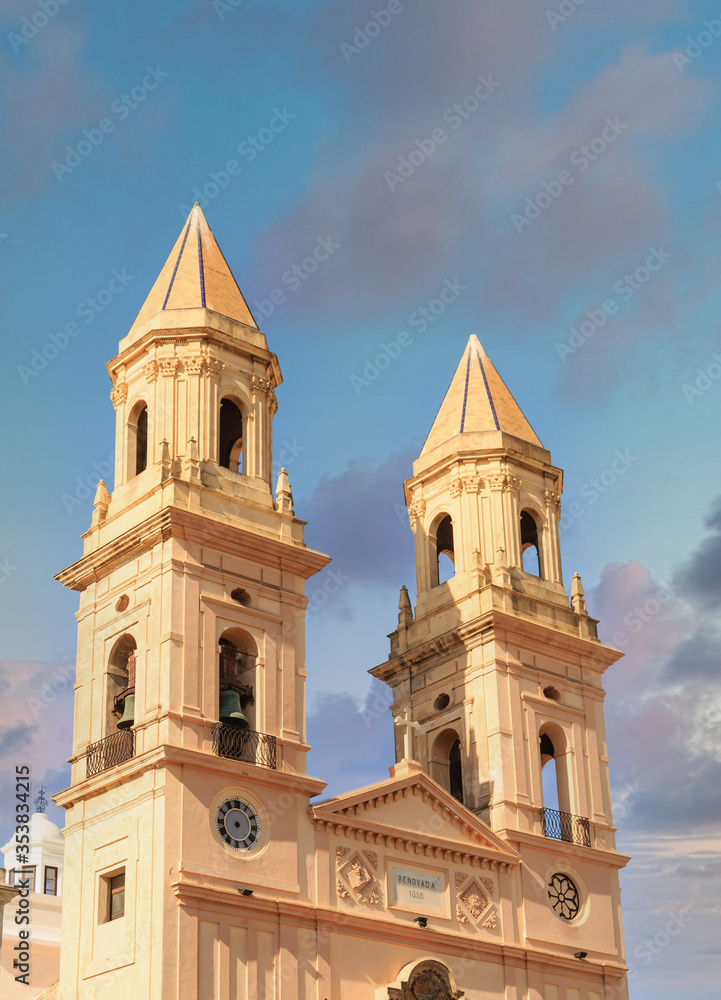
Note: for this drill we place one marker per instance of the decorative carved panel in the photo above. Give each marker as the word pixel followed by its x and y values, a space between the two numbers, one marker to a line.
pixel 474 900
pixel 356 879
pixel 473 904
pixel 430 980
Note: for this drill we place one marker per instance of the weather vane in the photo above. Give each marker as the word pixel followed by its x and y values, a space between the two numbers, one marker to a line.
pixel 41 803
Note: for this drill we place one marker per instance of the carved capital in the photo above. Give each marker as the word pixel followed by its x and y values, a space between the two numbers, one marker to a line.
pixel 553 500
pixel 261 385
pixel 215 367
pixel 273 403
pixel 119 394
pixel 415 511
pixel 150 370
pixel 504 482
pixel 194 366
pixel 456 488
pixel 473 484
pixel 168 367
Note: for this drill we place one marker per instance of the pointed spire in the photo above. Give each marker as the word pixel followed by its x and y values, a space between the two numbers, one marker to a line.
pixel 192 461
pixel 283 494
pixel 100 503
pixel 405 611
pixel 478 400
pixel 578 601
pixel 195 276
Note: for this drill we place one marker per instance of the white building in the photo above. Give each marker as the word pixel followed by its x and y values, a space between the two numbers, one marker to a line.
pixel 44 870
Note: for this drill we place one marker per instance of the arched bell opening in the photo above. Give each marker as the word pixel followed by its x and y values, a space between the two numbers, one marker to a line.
pixel 530 547
pixel 443 556
pixel 554 768
pixel 230 436
pixel 121 685
pixel 137 440
pixel 237 682
pixel 446 764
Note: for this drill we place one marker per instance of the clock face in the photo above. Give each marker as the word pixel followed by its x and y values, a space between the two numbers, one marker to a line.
pixel 238 824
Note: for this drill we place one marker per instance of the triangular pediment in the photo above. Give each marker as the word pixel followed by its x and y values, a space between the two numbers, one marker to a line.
pixel 412 808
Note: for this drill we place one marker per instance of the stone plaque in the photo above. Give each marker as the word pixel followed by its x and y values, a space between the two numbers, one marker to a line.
pixel 417 888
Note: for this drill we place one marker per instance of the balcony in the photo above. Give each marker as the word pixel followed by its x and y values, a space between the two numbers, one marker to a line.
pixel 244 744
pixel 114 749
pixel 564 826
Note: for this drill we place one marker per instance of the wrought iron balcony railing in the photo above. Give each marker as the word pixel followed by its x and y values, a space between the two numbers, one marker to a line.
pixel 244 744
pixel 114 749
pixel 564 826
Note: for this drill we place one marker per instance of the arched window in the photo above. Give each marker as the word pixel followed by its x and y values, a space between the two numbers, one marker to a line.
pixel 120 698
pixel 554 768
pixel 530 549
pixel 137 439
pixel 238 656
pixel 230 448
pixel 446 765
pixel 443 561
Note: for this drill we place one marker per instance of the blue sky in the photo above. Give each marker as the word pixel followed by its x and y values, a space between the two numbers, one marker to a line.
pixel 585 149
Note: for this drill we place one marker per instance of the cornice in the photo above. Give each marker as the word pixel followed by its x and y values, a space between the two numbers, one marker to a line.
pixel 538 635
pixel 548 845
pixel 175 522
pixel 166 755
pixel 431 939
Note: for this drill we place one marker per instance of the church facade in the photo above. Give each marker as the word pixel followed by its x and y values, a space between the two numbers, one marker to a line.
pixel 200 863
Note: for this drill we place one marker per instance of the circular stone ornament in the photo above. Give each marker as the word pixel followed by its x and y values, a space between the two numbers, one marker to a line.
pixel 564 897
pixel 238 824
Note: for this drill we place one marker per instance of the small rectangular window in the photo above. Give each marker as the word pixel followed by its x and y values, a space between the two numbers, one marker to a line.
pixel 51 880
pixel 25 874
pixel 11 877
pixel 117 896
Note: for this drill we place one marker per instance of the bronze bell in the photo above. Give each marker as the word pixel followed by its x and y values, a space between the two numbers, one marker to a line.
pixel 128 717
pixel 231 714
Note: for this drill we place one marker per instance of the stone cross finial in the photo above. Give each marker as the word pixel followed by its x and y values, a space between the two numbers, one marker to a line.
pixel 410 726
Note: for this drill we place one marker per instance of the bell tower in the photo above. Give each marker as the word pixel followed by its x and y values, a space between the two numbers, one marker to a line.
pixel 188 764
pixel 496 675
